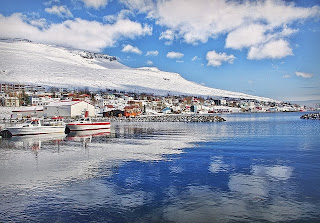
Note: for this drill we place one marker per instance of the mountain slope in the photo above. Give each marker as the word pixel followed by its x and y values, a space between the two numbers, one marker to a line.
pixel 31 63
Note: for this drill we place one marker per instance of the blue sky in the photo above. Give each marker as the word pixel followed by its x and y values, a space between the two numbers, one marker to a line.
pixel 265 48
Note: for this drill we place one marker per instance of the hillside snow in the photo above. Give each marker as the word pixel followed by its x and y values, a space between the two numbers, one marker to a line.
pixel 31 63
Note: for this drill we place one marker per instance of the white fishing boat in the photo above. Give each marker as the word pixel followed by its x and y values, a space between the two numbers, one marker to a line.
pixel 85 124
pixel 36 127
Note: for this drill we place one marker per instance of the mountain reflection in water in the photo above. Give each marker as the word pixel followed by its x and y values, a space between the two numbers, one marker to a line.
pixel 254 167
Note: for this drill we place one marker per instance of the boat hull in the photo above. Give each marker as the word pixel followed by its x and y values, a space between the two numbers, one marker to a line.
pixel 88 126
pixel 37 130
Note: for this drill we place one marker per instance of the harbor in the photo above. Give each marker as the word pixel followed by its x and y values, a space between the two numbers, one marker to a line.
pixel 159 111
pixel 166 172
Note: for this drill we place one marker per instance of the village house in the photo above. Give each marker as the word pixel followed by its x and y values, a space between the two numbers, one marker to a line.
pixel 100 102
pixel 10 101
pixel 6 87
pixel 38 89
pixel 42 100
pixel 110 96
pixel 129 104
pixel 220 102
pixel 132 111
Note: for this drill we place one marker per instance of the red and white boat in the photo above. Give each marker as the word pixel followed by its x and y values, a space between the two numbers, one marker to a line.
pixel 86 124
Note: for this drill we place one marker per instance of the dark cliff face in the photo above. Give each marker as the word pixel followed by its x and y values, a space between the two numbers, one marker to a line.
pixel 90 55
pixel 15 40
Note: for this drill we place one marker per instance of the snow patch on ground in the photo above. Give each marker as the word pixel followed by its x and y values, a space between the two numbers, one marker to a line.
pixel 5 112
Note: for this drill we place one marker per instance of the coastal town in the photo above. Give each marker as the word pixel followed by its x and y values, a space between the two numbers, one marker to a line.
pixel 22 100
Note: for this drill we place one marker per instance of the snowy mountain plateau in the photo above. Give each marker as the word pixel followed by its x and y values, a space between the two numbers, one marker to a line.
pixel 26 62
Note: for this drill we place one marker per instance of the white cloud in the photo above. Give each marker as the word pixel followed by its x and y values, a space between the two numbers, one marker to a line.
pixel 143 6
pixel 131 49
pixel 273 50
pixel 257 38
pixel 179 61
pixel 197 21
pixel 152 53
pixel 41 23
pixel 149 62
pixel 51 2
pixel 96 4
pixel 196 58
pixel 78 33
pixel 216 59
pixel 246 36
pixel 174 55
pixel 286 31
pixel 61 11
pixel 167 35
pixel 286 76
pixel 304 75
pixel 123 14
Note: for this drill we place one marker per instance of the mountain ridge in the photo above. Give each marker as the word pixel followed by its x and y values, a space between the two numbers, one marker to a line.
pixel 33 63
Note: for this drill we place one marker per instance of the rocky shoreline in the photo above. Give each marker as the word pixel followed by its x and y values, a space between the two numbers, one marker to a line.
pixel 170 118
pixel 147 118
pixel 314 116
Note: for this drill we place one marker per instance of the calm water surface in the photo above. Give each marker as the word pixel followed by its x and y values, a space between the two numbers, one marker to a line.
pixel 252 168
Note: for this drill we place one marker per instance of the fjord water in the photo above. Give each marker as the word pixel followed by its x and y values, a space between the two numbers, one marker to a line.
pixel 251 168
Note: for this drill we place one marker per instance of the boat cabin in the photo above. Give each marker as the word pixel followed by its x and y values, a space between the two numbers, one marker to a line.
pixel 32 123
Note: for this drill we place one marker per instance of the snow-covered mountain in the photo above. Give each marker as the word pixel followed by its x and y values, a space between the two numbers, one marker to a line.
pixel 31 63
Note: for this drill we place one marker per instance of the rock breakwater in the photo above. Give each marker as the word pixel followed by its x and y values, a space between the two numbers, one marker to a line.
pixel 172 118
pixel 315 116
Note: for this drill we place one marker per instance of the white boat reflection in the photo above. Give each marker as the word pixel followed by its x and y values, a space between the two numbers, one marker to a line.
pixel 35 141
pixel 81 135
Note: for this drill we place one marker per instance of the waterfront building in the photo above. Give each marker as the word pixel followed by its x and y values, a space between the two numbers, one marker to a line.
pixel 69 109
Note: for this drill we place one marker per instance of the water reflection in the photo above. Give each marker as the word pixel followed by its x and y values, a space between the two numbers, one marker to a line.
pixel 78 135
pixel 206 204
pixel 249 185
pixel 275 172
pixel 32 142
pixel 67 158
pixel 160 172
pixel 217 165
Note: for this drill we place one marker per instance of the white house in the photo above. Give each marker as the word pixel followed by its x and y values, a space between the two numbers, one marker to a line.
pixel 11 102
pixel 69 109
pixel 43 100
pixel 222 109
